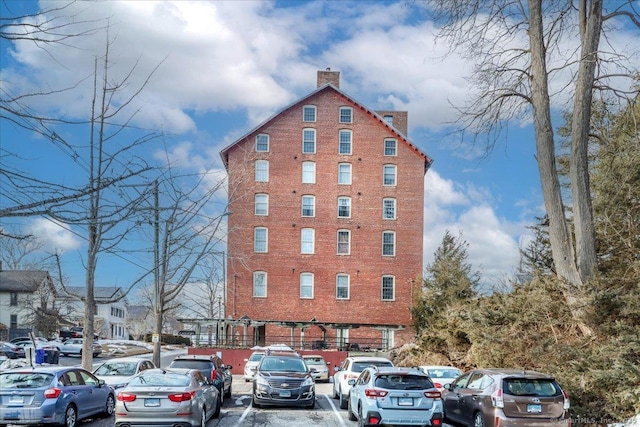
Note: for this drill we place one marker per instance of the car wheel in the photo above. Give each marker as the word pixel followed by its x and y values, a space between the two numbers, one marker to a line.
pixel 312 404
pixel 109 407
pixel 335 391
pixel 361 420
pixel 343 400
pixel 203 417
pixel 70 416
pixel 228 393
pixel 216 413
pixel 254 403
pixel 352 416
pixel 478 421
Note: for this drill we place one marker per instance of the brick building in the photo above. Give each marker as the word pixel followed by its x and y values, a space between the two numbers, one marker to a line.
pixel 325 232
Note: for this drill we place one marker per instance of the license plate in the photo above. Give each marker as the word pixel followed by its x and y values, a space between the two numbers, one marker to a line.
pixel 284 393
pixel 152 402
pixel 16 399
pixel 405 401
pixel 534 409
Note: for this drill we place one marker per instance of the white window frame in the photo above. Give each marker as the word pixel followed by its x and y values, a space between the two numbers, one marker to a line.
pixel 388 242
pixel 388 148
pixel 308 172
pixel 305 133
pixel 346 199
pixel 257 286
pixel 262 171
pixel 260 143
pixel 389 208
pixel 385 287
pixel 345 140
pixel 306 285
pixel 343 286
pixel 339 243
pixel 344 173
pixel 261 204
pixel 260 245
pixel 388 119
pixel 345 118
pixel 304 203
pixel 307 240
pixel 310 108
pixel 386 172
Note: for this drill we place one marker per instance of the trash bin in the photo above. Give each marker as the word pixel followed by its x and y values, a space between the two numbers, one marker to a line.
pixel 40 353
pixel 51 357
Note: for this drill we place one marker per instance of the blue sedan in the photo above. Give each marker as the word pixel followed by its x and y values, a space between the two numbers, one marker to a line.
pixel 52 395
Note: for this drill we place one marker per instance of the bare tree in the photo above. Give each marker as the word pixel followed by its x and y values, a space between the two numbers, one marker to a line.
pixel 518 48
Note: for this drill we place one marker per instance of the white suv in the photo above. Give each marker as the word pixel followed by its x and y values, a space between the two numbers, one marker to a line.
pixel 350 370
pixel 251 365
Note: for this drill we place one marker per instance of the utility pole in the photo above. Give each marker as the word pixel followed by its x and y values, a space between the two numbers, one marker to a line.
pixel 156 276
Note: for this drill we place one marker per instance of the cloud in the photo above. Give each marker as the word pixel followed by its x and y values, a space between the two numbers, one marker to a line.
pixel 54 235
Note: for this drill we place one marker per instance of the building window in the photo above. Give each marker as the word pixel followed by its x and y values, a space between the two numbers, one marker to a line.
pixel 344 207
pixel 262 171
pixel 309 113
pixel 262 204
pixel 345 142
pixel 260 239
pixel 259 284
pixel 388 288
pixel 308 206
pixel 13 299
pixel 307 240
pixel 13 321
pixel 346 115
pixel 389 208
pixel 342 337
pixel 306 285
pixel 389 175
pixel 390 147
pixel 342 286
pixel 308 141
pixel 344 173
pixel 262 143
pixel 388 119
pixel 308 172
pixel 344 242
pixel 388 243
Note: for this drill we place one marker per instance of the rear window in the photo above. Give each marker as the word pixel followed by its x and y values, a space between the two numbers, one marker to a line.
pixel 530 387
pixel 256 357
pixel 403 382
pixel 443 373
pixel 201 365
pixel 25 380
pixel 359 366
pixel 160 380
pixel 314 360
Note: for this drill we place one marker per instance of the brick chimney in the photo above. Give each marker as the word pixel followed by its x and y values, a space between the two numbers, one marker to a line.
pixel 328 76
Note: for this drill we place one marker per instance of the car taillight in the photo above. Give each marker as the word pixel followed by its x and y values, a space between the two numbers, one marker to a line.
pixel 126 397
pixel 373 393
pixel 52 393
pixel 496 399
pixel 432 395
pixel 437 385
pixel 567 403
pixel 182 397
pixel 214 375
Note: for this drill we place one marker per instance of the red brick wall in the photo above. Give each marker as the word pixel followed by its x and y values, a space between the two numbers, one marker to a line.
pixel 284 263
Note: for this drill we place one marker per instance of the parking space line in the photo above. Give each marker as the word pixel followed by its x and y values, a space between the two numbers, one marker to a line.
pixel 335 410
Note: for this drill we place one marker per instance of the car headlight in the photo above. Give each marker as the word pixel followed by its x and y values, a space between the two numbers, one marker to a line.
pixel 261 381
pixel 307 381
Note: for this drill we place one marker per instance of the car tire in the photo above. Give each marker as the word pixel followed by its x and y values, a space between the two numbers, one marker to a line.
pixel 343 400
pixel 350 414
pixel 254 403
pixel 70 416
pixel 478 420
pixel 110 406
pixel 228 393
pixel 335 391
pixel 203 417
pixel 216 413
pixel 312 404
pixel 361 420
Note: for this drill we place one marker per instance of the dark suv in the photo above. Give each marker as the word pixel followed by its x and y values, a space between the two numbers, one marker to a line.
pixel 283 379
pixel 212 367
pixel 506 397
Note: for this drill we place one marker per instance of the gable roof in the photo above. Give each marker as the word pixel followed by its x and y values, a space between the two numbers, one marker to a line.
pixel 427 160
pixel 99 292
pixel 23 280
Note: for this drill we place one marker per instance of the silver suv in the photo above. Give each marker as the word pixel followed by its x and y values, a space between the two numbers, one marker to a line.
pixel 350 370
pixel 394 396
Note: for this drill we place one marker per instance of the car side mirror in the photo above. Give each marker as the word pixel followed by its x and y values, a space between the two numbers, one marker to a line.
pixel 447 386
pixel 229 367
pixel 101 382
pixel 351 382
pixel 336 368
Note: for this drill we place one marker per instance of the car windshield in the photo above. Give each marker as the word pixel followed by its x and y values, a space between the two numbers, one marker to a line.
pixel 256 357
pixel 25 380
pixel 160 380
pixel 359 366
pixel 117 368
pixel 283 364
pixel 403 382
pixel 530 387
pixel 314 360
pixel 443 373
